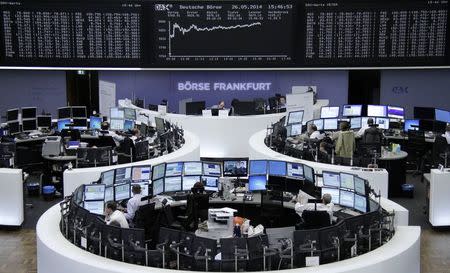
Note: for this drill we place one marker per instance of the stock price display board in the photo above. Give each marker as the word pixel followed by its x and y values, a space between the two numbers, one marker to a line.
pixel 229 34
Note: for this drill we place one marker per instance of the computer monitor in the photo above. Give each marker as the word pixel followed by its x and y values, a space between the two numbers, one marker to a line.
pixel 333 192
pixel 63 124
pixel 346 198
pixel 128 125
pixel 331 179
pixel 355 123
pixel 44 121
pixel 293 185
pixel 107 178
pixel 143 129
pixel 141 174
pixel 426 125
pixel 442 115
pixel 158 171
pixel 383 123
pixel 29 125
pixel 79 112
pixel 129 113
pixel 80 123
pixel 329 112
pixel 411 124
pixel 377 110
pixel 258 167
pixel 318 123
pixel 160 125
pixel 244 108
pixel 29 112
pixel 174 169
pixel 330 124
pixel 211 169
pixel 116 124
pixel 122 192
pixel 189 181
pixel 14 127
pixel 94 192
pixel 116 113
pixel 395 112
pixel 211 183
pixel 257 183
pixel 308 172
pixel 424 112
pixel 95 123
pixel 95 207
pixel 192 168
pixel 235 167
pixel 294 170
pixel 12 114
pixel 360 203
pixel 295 117
pixel 351 110
pixel 294 129
pixel 64 112
pixel 123 175
pixel 360 185
pixel 109 194
pixel 172 184
pixel 277 168
pixel 195 107
pixel 158 186
pixel 347 181
pixel 276 183
pixel 144 188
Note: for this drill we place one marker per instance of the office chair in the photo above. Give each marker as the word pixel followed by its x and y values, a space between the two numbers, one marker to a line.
pixel 106 141
pixel 125 151
pixel 103 156
pixel 330 239
pixel 196 210
pixel 137 250
pixel 184 251
pixel 256 253
pixel 314 219
pixel 372 135
pixel 113 243
pixel 142 150
pixel 260 105
pixel 86 157
pixel 440 147
pixel 306 243
pixel 7 154
pixel 205 251
pixel 416 148
pixel 235 254
pixel 147 217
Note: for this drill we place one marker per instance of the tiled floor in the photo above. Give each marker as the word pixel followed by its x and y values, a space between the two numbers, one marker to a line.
pixel 18 251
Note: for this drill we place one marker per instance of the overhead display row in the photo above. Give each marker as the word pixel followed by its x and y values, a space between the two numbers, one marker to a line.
pixel 202 34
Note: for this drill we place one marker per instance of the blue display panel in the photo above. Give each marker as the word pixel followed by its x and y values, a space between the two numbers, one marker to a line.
pixel 257 183
pixel 277 168
pixel 331 179
pixel 258 167
pixel 174 169
pixel 295 170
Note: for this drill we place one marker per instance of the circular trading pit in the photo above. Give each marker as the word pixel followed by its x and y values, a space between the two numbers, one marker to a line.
pixel 166 233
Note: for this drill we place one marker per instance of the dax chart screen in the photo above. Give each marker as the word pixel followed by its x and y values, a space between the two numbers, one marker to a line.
pixel 224 32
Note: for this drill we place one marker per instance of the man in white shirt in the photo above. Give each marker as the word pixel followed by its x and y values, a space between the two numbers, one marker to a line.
pixel 315 134
pixel 326 205
pixel 447 134
pixel 134 203
pixel 117 138
pixel 113 216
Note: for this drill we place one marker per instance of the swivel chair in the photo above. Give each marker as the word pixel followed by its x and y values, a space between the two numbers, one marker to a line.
pixel 314 219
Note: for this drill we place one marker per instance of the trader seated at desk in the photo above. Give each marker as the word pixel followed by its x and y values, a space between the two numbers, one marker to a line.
pixel 372 134
pixel 115 217
pixel 134 203
pixel 326 205
pixel 219 106
pixel 105 130
pixel 315 134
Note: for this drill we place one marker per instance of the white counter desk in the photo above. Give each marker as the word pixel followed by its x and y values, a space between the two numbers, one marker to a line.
pixel 439 214
pixel 11 197
pixel 400 254
pixel 190 151
pixel 378 178
pixel 219 136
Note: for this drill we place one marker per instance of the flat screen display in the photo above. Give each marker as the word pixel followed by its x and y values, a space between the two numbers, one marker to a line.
pixel 121 192
pixel 329 112
pixel 360 185
pixel 330 124
pixel 94 192
pixel 193 168
pixel 64 112
pixel 294 130
pixel 411 124
pixel 129 113
pixel 347 181
pixel 158 171
pixel 346 198
pixel 424 112
pixel 351 110
pixel 211 183
pixel 295 170
pixel 383 123
pixel 442 115
pixel 63 124
pixel 277 168
pixel 79 112
pixel 116 113
pixel 333 192
pixel 80 123
pixel 116 124
pixel 44 121
pixel 258 167
pixel 109 194
pixel 128 125
pixel 331 179
pixel 29 125
pixel 174 169
pixel 158 186
pixel 360 203
pixel 355 123
pixel 189 181
pixel 172 184
pixel 141 174
pixel 257 183
pixel 12 114
pixel 211 169
pixel 107 178
pixel 308 172
pixel 95 123
pixel 235 168
pixel 377 110
pixel 14 127
pixel 95 207
pixel 29 112
pixel 123 175
pixel 395 112
pixel 295 117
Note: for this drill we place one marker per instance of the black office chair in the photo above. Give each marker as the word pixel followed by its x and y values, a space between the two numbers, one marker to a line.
pixel 126 151
pixel 205 251
pixel 314 219
pixel 103 156
pixel 416 148
pixel 372 135
pixel 86 157
pixel 147 217
pixel 142 150
pixel 196 209
pixel 306 243
pixel 7 154
pixel 256 245
pixel 235 254
pixel 113 243
pixel 440 147
pixel 105 141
